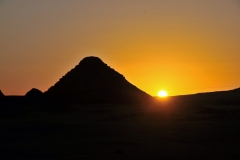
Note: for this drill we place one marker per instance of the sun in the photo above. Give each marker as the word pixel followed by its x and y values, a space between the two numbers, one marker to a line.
pixel 162 94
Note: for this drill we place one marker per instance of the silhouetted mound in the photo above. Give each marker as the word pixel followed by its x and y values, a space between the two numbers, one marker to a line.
pixel 93 81
pixel 1 94
pixel 2 97
pixel 34 93
pixel 218 98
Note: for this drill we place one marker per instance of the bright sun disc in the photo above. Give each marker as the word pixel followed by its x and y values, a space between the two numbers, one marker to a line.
pixel 162 93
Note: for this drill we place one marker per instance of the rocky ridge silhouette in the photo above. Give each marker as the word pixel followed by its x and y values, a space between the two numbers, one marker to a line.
pixel 93 81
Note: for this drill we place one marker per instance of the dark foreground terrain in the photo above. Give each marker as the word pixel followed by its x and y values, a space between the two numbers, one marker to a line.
pixel 119 132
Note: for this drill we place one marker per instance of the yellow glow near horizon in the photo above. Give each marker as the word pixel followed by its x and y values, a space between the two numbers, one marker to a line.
pixel 153 44
pixel 162 94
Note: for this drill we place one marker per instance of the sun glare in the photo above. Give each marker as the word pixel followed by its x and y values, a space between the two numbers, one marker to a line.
pixel 162 94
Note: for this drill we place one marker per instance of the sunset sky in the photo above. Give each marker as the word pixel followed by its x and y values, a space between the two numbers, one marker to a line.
pixel 182 46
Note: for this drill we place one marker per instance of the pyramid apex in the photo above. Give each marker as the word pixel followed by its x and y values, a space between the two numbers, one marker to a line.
pixel 91 59
pixel 91 62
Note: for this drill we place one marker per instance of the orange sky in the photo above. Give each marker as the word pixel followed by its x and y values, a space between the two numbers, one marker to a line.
pixel 182 46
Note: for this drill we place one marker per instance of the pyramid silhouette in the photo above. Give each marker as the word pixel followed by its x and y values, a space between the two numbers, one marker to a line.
pixel 93 81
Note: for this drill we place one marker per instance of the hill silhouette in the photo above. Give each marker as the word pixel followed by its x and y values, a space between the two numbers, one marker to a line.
pixel 2 97
pixel 34 93
pixel 93 81
pixel 1 94
pixel 218 95
pixel 218 98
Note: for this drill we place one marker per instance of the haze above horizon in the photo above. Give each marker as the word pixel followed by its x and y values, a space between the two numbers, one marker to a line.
pixel 183 47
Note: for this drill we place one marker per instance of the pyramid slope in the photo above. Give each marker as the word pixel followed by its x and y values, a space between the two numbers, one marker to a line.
pixel 93 81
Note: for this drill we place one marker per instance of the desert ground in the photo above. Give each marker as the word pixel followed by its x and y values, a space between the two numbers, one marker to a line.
pixel 108 131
